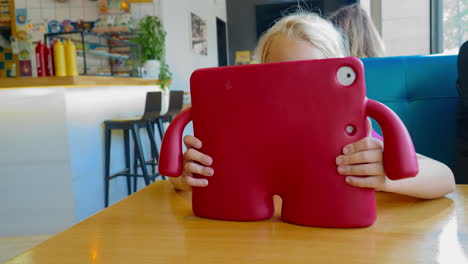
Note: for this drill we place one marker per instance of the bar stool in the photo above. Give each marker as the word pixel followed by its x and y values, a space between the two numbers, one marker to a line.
pixel 176 101
pixel 133 126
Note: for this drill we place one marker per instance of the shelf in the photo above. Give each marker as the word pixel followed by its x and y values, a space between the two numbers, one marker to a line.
pixel 114 12
pixel 104 54
pixel 77 40
pixel 111 29
pixel 76 81
pixel 101 52
pixel 88 35
pixel 121 49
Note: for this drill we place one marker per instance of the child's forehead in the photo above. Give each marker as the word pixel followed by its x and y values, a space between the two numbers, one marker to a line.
pixel 291 48
pixel 282 37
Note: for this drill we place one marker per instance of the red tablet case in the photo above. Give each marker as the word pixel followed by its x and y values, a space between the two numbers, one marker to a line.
pixel 277 129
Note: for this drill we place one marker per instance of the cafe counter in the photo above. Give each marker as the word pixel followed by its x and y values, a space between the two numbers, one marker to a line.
pixel 51 148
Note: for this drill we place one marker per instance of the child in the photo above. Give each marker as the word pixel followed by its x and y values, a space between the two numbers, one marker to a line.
pixel 363 39
pixel 304 37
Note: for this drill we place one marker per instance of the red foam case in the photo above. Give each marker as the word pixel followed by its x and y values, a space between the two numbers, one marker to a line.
pixel 277 129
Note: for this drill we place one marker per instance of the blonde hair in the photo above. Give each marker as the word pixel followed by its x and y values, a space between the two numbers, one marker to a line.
pixel 305 26
pixel 363 38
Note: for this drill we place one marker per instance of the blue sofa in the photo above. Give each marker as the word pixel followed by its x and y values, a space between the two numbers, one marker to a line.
pixel 422 91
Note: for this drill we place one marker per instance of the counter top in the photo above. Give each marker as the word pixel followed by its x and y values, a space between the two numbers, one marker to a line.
pixel 75 81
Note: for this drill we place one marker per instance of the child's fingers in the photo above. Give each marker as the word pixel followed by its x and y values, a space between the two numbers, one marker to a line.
pixel 367 143
pixel 369 127
pixel 195 155
pixel 194 182
pixel 193 167
pixel 362 169
pixel 192 142
pixel 369 156
pixel 374 182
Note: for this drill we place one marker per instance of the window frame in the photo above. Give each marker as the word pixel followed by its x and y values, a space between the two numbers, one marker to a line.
pixel 436 23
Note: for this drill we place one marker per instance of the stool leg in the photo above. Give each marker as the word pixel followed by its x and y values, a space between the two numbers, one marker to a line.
pixel 127 160
pixel 160 124
pixel 154 148
pixel 135 166
pixel 149 131
pixel 154 145
pixel 107 146
pixel 141 158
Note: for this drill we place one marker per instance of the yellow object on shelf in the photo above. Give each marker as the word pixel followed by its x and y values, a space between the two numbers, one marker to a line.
pixel 70 57
pixel 59 59
pixel 243 57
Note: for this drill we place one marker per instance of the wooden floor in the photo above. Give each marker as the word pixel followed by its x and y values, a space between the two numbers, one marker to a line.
pixel 13 246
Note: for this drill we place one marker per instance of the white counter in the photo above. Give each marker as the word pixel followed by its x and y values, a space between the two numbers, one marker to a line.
pixel 51 153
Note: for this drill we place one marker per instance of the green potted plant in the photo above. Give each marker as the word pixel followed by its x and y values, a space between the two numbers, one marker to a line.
pixel 152 37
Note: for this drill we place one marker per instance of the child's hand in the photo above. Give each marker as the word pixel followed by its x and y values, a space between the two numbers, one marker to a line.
pixel 363 158
pixel 194 162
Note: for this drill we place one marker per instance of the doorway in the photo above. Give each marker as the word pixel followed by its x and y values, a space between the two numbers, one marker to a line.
pixel 222 42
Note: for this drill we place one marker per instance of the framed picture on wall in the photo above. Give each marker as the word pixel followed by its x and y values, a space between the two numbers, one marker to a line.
pixel 199 35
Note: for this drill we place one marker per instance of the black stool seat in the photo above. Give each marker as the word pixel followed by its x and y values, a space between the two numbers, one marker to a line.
pixel 176 101
pixel 125 122
pixel 133 125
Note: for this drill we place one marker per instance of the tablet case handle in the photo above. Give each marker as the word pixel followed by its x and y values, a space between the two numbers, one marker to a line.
pixel 399 154
pixel 171 161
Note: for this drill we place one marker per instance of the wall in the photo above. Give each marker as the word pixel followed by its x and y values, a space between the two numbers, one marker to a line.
pixel 376 14
pixel 242 23
pixel 177 22
pixel 140 10
pixel 366 5
pixel 46 10
pixel 405 25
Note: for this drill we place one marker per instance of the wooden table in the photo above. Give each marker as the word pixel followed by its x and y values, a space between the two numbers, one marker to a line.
pixel 156 225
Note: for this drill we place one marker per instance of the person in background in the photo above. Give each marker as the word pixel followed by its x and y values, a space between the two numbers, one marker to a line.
pixel 307 37
pixel 363 38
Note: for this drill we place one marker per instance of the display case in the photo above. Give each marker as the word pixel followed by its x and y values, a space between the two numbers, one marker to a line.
pixel 101 55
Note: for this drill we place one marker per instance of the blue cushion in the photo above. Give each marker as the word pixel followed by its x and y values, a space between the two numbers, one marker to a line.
pixel 421 91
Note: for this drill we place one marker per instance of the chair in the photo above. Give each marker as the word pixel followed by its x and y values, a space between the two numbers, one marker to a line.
pixel 176 101
pixel 133 126
pixel 421 91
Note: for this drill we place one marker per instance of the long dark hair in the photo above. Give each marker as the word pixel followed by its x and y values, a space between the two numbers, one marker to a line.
pixel 363 39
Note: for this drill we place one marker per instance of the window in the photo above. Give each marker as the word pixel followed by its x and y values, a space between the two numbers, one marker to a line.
pixel 454 25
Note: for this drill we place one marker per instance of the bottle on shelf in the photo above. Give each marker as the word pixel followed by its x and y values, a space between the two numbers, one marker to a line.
pixel 59 59
pixel 41 59
pixel 70 56
pixel 50 58
pixel 13 70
